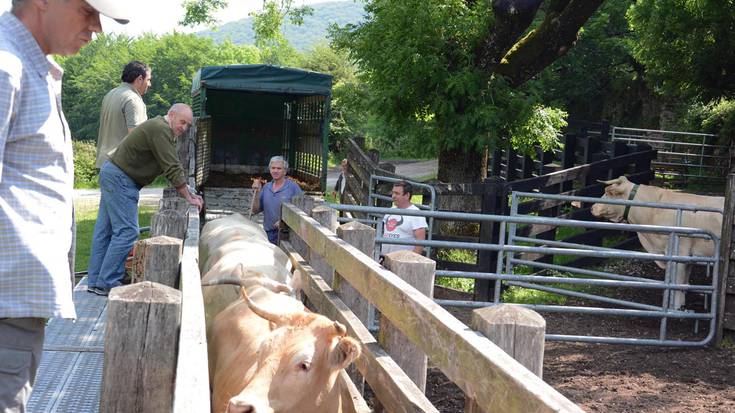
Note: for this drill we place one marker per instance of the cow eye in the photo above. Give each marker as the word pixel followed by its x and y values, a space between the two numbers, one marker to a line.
pixel 304 366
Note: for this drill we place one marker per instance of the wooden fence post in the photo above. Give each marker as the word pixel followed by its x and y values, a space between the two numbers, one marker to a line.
pixel 328 218
pixel 726 300
pixel 489 234
pixel 140 348
pixel 176 203
pixel 516 330
pixel 157 259
pixel 306 204
pixel 418 271
pixel 169 222
pixel 362 237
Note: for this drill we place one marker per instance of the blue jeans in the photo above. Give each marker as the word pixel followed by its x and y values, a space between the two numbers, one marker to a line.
pixel 272 236
pixel 116 229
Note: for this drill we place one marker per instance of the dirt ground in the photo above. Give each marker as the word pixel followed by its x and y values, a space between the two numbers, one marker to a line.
pixel 621 378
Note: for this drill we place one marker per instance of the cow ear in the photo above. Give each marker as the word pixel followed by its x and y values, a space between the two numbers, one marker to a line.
pixel 239 271
pixel 345 352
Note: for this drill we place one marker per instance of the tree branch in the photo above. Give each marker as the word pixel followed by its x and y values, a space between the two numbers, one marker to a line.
pixel 552 39
pixel 512 18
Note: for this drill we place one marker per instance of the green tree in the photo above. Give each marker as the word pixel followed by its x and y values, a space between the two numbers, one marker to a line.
pixel 268 24
pixel 688 47
pixel 174 58
pixel 461 68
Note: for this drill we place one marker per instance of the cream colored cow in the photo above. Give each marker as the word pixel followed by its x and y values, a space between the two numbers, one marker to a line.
pixel 234 246
pixel 621 188
pixel 268 354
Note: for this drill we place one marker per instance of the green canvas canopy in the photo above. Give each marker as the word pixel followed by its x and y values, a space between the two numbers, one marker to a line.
pixel 248 113
pixel 263 78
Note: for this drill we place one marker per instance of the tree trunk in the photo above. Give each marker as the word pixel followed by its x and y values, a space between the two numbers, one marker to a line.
pixel 459 165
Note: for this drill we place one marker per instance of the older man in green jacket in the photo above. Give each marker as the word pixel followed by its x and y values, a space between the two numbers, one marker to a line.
pixel 148 151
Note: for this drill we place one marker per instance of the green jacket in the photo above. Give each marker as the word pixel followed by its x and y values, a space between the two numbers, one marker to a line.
pixel 148 151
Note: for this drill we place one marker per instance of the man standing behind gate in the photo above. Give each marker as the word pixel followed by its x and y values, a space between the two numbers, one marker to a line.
pixel 122 109
pixel 400 227
pixel 36 179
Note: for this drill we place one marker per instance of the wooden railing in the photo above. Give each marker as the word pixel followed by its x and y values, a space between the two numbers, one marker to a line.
pixel 477 366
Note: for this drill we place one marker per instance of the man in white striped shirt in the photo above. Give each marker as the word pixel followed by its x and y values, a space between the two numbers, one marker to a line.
pixel 36 179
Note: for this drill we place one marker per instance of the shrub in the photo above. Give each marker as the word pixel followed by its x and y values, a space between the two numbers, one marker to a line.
pixel 85 173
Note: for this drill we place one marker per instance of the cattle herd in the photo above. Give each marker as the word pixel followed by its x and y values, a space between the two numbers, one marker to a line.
pixel 267 353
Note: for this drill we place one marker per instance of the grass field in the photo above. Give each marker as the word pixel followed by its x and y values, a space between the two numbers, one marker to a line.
pixel 86 215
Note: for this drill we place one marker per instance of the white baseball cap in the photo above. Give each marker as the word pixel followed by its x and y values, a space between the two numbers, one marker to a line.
pixel 113 9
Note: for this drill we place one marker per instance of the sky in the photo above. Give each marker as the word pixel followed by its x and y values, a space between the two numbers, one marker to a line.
pixel 162 16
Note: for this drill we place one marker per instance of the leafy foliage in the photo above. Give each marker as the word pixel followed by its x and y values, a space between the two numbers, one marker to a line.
pixel 268 24
pixel 85 155
pixel 419 60
pixel 201 11
pixel 596 79
pixel 688 47
pixel 174 58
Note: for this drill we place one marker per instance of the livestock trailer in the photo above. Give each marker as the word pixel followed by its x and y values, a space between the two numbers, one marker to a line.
pixel 248 113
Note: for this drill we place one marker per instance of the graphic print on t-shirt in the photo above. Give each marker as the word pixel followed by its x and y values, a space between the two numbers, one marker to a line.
pixel 392 222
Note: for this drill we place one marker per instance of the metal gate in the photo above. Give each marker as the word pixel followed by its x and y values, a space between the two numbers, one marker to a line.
pixel 510 244
pixel 680 154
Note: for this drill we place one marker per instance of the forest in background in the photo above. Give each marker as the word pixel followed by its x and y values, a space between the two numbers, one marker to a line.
pixel 411 80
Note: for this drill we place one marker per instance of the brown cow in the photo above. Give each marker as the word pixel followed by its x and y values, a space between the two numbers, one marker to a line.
pixel 621 188
pixel 268 354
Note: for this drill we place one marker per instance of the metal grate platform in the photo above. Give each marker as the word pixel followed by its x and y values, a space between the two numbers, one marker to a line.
pixel 70 374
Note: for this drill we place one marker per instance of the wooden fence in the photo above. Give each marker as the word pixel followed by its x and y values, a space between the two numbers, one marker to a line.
pixel 478 367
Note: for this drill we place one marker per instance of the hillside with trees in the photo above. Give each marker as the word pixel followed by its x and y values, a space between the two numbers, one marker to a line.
pixel 302 37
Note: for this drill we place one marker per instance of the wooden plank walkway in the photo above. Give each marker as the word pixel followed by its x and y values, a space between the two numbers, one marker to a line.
pixel 70 374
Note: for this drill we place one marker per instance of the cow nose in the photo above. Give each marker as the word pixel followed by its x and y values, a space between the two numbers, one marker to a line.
pixel 237 407
pixel 246 406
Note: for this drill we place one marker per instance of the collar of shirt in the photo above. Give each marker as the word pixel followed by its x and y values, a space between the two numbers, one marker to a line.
pixel 129 86
pixel 24 40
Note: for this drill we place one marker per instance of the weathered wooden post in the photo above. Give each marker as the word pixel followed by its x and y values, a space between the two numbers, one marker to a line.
pixel 726 300
pixel 328 218
pixel 418 271
pixel 362 237
pixel 176 203
pixel 516 330
pixel 140 348
pixel 169 222
pixel 157 259
pixel 306 204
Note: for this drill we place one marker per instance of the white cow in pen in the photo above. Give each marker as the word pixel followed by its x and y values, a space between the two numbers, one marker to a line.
pixel 621 188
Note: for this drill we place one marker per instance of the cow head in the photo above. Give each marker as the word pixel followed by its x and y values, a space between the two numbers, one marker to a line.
pixel 616 189
pixel 297 365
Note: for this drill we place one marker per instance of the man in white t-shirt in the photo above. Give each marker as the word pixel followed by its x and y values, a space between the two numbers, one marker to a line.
pixel 405 228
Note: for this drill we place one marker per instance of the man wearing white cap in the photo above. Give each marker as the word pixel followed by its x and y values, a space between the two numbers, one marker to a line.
pixel 36 181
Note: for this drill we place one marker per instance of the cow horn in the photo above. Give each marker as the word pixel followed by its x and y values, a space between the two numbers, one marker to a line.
pixel 277 318
pixel 268 284
pixel 618 180
pixel 224 281
pixel 341 329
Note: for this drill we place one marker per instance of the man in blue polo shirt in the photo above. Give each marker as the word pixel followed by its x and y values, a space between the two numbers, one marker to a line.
pixel 275 192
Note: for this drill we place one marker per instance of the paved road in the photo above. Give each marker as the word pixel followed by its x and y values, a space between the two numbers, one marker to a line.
pixel 411 169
